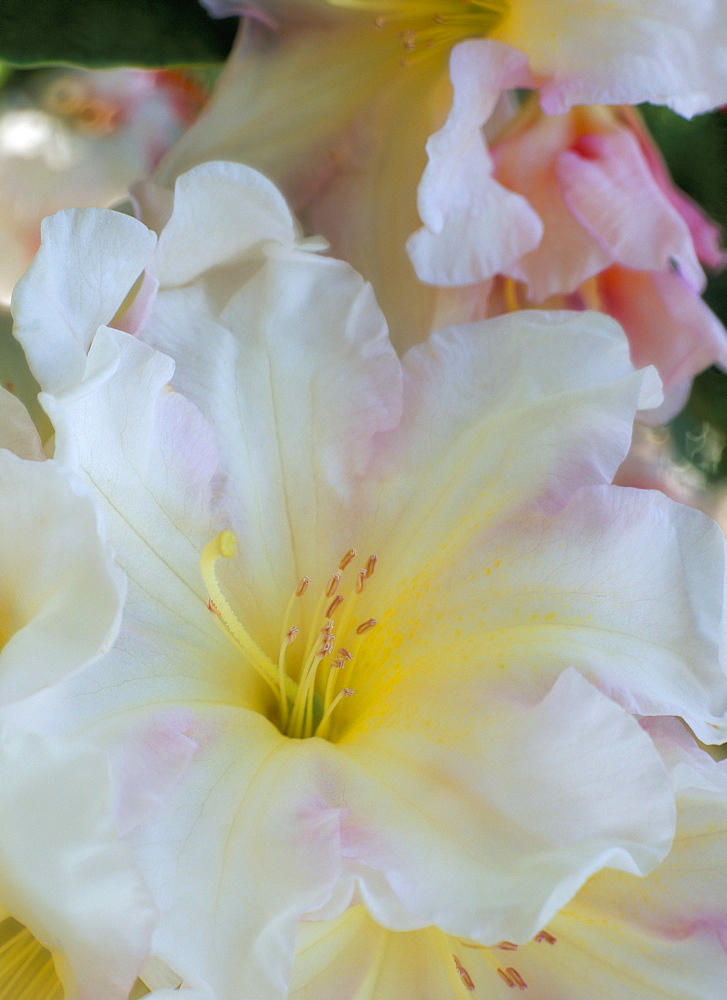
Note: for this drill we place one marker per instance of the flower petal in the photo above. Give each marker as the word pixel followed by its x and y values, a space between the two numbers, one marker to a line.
pixel 64 873
pixel 444 838
pixel 61 594
pixel 607 185
pixel 245 846
pixel 671 52
pixel 473 227
pixel 80 295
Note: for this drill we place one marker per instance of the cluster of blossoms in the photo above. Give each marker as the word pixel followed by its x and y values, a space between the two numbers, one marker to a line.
pixel 334 665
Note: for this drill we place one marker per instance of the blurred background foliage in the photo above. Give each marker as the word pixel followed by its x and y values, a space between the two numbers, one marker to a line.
pixel 696 152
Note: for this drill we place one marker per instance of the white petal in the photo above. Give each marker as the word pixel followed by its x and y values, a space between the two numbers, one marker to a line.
pixel 64 873
pixel 473 227
pixel 68 292
pixel 62 595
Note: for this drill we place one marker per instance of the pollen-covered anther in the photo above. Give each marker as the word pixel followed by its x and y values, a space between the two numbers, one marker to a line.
pixel 371 565
pixel 335 603
pixel 348 557
pixel 463 974
pixel 507 946
pixel 512 978
pixel 332 585
pixel 361 580
pixel 292 634
pixel 211 606
pixel 544 936
pixel 366 626
pixel 302 586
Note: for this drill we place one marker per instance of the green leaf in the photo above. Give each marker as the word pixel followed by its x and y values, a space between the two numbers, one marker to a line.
pixel 104 33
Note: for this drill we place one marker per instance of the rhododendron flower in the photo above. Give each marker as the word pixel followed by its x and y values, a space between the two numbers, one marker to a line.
pixel 617 236
pixel 383 144
pixel 387 619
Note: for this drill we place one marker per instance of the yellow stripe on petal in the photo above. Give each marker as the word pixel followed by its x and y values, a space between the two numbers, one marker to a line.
pixel 26 967
pixel 423 25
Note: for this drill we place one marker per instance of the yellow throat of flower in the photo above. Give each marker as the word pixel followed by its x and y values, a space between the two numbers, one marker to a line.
pixel 425 25
pixel 306 701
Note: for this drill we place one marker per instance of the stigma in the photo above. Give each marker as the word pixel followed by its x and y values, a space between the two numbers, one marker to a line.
pixel 308 687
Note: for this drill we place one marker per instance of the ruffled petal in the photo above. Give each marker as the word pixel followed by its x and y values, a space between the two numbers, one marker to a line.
pixel 607 185
pixel 667 324
pixel 481 826
pixel 473 227
pixel 498 416
pixel 64 873
pixel 81 294
pixel 672 52
pixel 61 594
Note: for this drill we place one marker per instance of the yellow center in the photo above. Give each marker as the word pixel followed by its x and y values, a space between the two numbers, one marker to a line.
pixel 422 25
pixel 308 691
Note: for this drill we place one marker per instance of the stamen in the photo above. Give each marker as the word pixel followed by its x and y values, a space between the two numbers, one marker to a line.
pixel 360 581
pixel 371 565
pixel 366 626
pixel 323 724
pixel 464 974
pixel 335 603
pixel 224 546
pixel 507 946
pixel 349 556
pixel 302 586
pixel 512 978
pixel 332 585
pixel 544 936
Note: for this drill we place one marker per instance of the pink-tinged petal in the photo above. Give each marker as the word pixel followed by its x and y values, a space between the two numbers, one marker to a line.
pixel 61 593
pixel 667 324
pixel 611 192
pixel 473 227
pixel 17 431
pixel 526 161
pixel 245 847
pixel 135 311
pixel 443 838
pixel 148 762
pixel 491 434
pixel 64 872
pixel 671 52
pixel 85 292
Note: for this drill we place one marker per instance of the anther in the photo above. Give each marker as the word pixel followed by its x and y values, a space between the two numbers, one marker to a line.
pixel 463 974
pixel 213 608
pixel 332 585
pixel 350 555
pixel 371 565
pixel 507 946
pixel 335 603
pixel 360 580
pixel 292 634
pixel 302 586
pixel 512 978
pixel 365 626
pixel 544 936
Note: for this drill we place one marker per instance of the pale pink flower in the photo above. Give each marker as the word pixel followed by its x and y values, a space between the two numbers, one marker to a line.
pixel 463 754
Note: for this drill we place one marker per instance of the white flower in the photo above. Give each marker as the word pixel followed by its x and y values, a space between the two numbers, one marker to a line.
pixel 504 609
